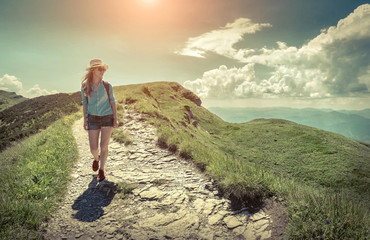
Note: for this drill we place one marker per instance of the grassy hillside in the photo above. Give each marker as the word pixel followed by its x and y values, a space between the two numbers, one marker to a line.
pixel 27 117
pixel 348 123
pixel 321 176
pixel 8 99
pixel 34 177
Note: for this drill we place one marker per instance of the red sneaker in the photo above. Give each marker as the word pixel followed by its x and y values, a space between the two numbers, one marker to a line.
pixel 95 166
pixel 101 176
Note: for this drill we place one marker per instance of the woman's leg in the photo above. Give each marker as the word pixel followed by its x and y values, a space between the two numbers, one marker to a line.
pixel 106 133
pixel 94 143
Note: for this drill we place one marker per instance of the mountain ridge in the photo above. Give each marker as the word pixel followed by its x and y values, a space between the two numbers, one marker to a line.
pixel 8 99
pixel 353 124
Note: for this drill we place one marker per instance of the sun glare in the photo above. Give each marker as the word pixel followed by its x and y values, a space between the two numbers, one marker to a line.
pixel 149 1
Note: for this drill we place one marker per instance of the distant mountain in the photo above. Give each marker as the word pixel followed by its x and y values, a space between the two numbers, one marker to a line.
pixel 353 124
pixel 8 99
pixel 364 113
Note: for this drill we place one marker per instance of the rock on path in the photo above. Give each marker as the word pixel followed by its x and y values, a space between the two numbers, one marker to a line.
pixel 171 199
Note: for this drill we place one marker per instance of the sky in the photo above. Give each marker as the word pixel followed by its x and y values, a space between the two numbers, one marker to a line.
pixel 231 53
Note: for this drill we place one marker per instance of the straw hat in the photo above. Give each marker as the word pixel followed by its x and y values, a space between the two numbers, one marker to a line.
pixel 97 63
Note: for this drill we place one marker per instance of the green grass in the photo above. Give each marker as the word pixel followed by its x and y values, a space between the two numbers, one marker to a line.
pixel 309 155
pixel 34 176
pixel 124 189
pixel 118 134
pixel 159 182
pixel 191 197
pixel 322 213
pixel 321 177
pixel 121 136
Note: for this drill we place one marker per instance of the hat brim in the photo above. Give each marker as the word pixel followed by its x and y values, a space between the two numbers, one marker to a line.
pixel 98 65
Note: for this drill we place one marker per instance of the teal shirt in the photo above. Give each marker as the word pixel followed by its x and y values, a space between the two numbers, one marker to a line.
pixel 98 101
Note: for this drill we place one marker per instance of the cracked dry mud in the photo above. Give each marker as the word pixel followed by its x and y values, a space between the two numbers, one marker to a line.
pixel 171 198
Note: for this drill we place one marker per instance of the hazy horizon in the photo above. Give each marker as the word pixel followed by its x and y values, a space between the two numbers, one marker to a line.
pixel 353 124
pixel 295 108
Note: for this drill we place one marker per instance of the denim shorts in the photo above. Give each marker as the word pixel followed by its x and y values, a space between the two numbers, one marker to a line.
pixel 97 122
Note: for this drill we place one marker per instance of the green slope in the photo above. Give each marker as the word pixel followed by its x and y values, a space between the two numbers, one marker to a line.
pixel 8 99
pixel 311 169
pixel 281 147
pixel 306 154
pixel 28 117
pixel 347 123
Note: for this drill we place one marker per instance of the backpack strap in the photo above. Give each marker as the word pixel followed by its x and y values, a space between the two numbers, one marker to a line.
pixel 106 85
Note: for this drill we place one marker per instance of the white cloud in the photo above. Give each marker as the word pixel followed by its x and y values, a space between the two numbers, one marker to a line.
pixel 221 41
pixel 36 91
pixel 335 63
pixel 12 84
pixel 222 82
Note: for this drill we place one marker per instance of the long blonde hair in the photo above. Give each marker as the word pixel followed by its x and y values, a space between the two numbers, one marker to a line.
pixel 87 82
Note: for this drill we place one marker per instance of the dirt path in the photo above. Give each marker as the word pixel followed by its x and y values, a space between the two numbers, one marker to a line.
pixel 171 199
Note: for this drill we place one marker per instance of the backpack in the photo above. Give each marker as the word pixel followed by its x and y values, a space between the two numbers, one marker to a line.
pixel 106 85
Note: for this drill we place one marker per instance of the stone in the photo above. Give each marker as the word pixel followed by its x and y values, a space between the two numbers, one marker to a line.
pixel 191 187
pixel 260 224
pixel 160 220
pixel 75 175
pixel 119 236
pixel 169 159
pixel 209 206
pixel 232 222
pixel 212 220
pixel 198 204
pixel 239 230
pixel 265 235
pixel 258 216
pixel 152 194
pixel 249 233
pixel 206 233
pixel 180 199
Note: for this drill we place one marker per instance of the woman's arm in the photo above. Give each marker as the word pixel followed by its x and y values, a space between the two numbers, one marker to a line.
pixel 85 117
pixel 115 118
pixel 114 106
pixel 84 108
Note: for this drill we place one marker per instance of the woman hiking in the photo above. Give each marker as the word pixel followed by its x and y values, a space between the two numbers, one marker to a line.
pixel 100 113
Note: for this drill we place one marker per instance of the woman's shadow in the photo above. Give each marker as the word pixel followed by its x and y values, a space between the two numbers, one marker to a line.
pixel 90 204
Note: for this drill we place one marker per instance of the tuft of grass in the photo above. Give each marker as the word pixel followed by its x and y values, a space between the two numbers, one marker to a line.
pixel 159 182
pixel 124 189
pixel 321 214
pixel 191 197
pixel 34 176
pixel 121 137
